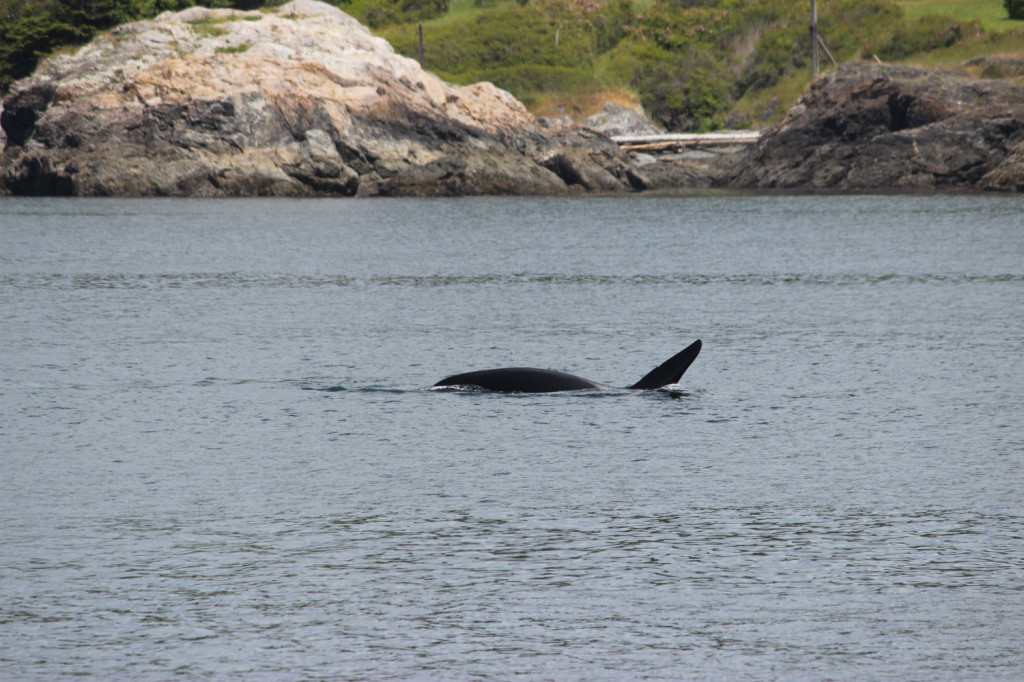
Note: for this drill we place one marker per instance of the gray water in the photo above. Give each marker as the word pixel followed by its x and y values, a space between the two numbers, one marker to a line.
pixel 221 459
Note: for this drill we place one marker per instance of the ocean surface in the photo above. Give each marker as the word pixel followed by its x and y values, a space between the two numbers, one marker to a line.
pixel 221 458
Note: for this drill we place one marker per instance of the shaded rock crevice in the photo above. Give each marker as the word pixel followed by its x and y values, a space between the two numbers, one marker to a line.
pixel 22 109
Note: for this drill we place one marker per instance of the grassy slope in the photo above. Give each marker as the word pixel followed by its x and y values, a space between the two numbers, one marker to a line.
pixel 989 13
pixel 1006 37
pixel 578 105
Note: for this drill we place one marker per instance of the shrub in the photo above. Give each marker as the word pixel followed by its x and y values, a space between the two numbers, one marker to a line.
pixel 1015 8
pixel 380 13
pixel 777 54
pixel 23 43
pixel 928 33
pixel 505 37
pixel 684 92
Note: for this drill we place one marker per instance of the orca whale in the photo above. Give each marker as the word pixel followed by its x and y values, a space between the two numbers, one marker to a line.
pixel 532 380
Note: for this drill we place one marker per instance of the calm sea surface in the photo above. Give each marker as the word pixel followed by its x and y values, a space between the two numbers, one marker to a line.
pixel 220 460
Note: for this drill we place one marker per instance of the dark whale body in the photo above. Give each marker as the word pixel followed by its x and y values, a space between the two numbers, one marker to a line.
pixel 519 380
pixel 532 380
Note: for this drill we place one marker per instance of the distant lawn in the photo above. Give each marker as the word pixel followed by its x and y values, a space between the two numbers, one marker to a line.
pixel 989 13
pixel 954 57
pixel 464 9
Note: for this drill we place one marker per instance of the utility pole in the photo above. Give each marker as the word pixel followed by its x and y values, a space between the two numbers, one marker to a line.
pixel 419 52
pixel 814 39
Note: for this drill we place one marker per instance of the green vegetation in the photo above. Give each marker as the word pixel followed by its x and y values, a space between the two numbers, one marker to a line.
pixel 692 64
pixel 1014 8
pixel 31 30
pixel 208 27
pixel 992 15
pixel 377 13
pixel 233 49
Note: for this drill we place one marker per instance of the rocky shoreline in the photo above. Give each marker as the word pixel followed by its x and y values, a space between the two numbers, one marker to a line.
pixel 868 127
pixel 306 102
pixel 301 102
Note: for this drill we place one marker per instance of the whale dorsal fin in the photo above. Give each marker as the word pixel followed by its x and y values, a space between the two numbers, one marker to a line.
pixel 670 371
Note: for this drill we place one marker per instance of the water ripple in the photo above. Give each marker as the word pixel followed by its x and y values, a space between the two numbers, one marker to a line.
pixel 233 280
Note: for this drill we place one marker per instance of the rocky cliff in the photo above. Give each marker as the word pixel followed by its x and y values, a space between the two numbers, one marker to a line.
pixel 866 126
pixel 301 101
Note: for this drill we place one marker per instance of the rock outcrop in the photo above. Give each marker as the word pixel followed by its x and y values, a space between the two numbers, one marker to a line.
pixel 866 127
pixel 305 101
pixel 1009 175
pixel 615 120
pixel 301 101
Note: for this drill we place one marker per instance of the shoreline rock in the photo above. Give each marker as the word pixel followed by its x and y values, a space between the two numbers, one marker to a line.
pixel 301 102
pixel 869 128
pixel 305 101
pixel 617 120
pixel 866 126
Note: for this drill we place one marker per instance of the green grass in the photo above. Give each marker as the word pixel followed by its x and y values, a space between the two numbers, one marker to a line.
pixel 989 13
pixel 953 58
pixel 233 49
pixel 785 93
pixel 1005 37
pixel 209 27
pixel 988 44
pixel 1000 36
pixel 461 10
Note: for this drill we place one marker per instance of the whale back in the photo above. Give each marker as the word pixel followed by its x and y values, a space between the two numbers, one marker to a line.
pixel 519 380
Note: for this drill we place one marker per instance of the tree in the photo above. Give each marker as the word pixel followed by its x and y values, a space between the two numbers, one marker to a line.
pixel 30 30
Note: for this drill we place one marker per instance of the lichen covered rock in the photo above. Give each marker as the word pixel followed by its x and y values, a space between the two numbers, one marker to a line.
pixel 301 101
